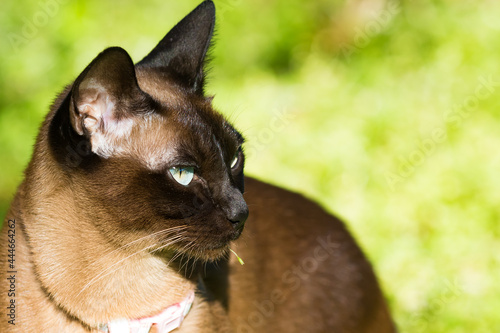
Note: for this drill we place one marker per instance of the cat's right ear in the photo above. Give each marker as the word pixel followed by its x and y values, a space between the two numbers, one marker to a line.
pixel 104 97
pixel 100 92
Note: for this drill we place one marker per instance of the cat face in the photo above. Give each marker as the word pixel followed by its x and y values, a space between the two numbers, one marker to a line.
pixel 158 167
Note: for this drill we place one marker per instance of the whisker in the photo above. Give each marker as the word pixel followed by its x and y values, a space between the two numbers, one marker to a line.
pixel 181 237
pixel 185 251
pixel 164 231
pixel 107 271
pixel 177 255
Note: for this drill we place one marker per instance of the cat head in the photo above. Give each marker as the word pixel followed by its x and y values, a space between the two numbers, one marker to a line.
pixel 149 159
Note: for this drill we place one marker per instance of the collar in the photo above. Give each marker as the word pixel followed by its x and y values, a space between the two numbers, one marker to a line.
pixel 164 322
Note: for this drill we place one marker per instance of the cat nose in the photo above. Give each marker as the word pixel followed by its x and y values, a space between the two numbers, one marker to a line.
pixel 238 215
pixel 235 209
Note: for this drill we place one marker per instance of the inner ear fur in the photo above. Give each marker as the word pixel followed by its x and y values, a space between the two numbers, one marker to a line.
pixel 104 93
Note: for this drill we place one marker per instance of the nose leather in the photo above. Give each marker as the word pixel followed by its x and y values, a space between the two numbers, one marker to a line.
pixel 236 209
pixel 238 216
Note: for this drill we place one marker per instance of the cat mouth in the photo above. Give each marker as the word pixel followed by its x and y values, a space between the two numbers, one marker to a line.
pixel 207 242
pixel 237 232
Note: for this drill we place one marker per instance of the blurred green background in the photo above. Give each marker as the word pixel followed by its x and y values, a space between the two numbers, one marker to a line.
pixel 385 112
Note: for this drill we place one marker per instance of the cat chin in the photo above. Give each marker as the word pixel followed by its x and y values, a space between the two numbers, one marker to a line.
pixel 208 254
pixel 215 254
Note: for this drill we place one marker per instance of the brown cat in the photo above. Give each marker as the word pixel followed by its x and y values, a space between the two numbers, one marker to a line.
pixel 133 198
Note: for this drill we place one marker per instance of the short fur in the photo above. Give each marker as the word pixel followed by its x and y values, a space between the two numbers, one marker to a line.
pixel 103 231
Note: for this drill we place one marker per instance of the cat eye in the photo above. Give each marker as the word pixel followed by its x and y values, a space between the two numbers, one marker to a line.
pixel 182 175
pixel 235 160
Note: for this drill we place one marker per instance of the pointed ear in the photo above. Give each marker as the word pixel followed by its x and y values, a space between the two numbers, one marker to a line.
pixel 104 97
pixel 181 53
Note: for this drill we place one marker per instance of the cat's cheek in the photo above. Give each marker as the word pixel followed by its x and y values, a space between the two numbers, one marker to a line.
pixel 239 179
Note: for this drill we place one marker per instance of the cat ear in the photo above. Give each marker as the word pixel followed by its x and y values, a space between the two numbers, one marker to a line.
pixel 101 92
pixel 104 96
pixel 181 53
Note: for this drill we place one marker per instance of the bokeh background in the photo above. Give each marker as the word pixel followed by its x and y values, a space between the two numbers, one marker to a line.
pixel 385 112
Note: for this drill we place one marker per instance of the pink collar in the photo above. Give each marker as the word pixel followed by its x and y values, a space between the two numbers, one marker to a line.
pixel 167 321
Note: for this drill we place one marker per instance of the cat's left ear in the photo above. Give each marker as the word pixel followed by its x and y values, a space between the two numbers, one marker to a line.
pixel 181 53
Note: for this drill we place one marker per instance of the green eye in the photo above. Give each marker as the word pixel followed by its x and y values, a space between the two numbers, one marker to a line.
pixel 182 175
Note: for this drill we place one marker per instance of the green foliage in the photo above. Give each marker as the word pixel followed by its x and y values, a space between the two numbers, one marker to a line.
pixel 389 118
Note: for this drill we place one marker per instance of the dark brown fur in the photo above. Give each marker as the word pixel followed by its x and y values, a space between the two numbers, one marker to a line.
pixel 103 232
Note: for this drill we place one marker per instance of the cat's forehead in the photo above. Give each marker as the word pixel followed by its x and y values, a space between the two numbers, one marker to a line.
pixel 158 141
pixel 181 125
pixel 181 106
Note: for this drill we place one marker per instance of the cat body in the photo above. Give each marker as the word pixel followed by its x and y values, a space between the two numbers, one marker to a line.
pixel 133 198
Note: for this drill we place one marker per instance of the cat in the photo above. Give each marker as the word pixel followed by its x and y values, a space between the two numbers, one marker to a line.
pixel 134 196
